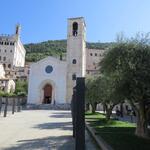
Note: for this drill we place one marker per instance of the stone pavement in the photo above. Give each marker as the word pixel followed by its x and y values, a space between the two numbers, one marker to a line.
pixel 39 130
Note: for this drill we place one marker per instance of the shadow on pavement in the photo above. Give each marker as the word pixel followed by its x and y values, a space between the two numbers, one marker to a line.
pixel 55 125
pixel 61 115
pixel 47 143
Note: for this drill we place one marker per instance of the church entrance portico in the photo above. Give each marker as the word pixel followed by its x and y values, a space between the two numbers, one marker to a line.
pixel 47 97
pixel 47 92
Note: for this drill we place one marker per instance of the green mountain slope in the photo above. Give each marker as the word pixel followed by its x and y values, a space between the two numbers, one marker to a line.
pixel 37 51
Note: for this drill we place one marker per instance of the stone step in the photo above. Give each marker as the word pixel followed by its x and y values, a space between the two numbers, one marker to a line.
pixel 48 106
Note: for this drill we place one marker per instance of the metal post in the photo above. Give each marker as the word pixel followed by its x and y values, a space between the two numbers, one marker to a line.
pixel 18 105
pixel 73 109
pixel 0 105
pixel 13 106
pixel 80 115
pixel 5 109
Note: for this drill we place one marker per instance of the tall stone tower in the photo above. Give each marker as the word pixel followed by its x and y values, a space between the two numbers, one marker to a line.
pixel 76 53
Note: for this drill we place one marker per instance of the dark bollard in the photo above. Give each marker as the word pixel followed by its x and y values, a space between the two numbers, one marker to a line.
pixel 80 115
pixel 73 110
pixel 5 108
pixel 18 105
pixel 13 106
pixel 0 105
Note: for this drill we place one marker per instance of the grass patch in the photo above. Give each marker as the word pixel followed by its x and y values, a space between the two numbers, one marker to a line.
pixel 119 134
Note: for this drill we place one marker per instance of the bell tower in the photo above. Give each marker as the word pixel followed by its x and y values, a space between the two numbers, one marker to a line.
pixel 76 53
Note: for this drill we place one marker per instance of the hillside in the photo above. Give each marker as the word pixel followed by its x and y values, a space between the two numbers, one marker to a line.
pixel 37 51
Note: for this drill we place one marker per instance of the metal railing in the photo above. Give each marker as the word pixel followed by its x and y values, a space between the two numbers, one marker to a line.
pixel 10 106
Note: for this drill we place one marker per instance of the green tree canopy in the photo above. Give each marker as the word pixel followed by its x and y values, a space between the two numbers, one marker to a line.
pixel 21 88
pixel 129 64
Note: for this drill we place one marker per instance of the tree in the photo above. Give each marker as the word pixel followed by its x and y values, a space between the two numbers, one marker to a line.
pixel 108 94
pixel 91 94
pixel 129 64
pixel 101 89
pixel 21 88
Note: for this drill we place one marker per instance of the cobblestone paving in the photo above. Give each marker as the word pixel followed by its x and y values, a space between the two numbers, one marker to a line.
pixel 38 130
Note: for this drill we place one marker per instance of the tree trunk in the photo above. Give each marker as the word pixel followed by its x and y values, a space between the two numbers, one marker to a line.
pixel 87 107
pixel 121 110
pixel 94 105
pixel 104 108
pixel 108 112
pixel 141 129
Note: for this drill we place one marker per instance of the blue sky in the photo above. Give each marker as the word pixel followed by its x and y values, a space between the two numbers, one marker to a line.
pixel 47 19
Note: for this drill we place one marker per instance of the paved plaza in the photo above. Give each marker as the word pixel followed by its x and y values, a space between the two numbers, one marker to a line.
pixel 38 130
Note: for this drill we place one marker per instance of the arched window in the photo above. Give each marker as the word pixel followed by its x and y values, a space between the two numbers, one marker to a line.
pixel 9 65
pixel 4 65
pixel 74 61
pixel 74 76
pixel 4 58
pixel 75 29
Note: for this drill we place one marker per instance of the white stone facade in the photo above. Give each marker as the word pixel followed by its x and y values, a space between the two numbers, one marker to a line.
pixel 12 52
pixel 12 56
pixel 38 78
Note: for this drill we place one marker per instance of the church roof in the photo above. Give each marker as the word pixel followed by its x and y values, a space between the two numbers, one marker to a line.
pixel 49 58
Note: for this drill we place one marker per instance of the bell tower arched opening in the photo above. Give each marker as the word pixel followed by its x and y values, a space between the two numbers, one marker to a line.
pixel 75 29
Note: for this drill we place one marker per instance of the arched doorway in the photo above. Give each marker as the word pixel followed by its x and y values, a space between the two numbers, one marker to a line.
pixel 47 99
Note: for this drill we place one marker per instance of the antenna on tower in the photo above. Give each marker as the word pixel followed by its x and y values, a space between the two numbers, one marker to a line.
pixel 18 29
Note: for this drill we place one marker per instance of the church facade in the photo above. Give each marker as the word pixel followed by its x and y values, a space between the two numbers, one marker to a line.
pixel 51 80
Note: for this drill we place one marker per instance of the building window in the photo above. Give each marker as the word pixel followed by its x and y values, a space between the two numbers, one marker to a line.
pixel 4 65
pixel 9 65
pixel 74 76
pixel 91 54
pixel 95 54
pixel 11 51
pixel 4 58
pixel 75 29
pixel 74 61
pixel 5 50
pixel 49 69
